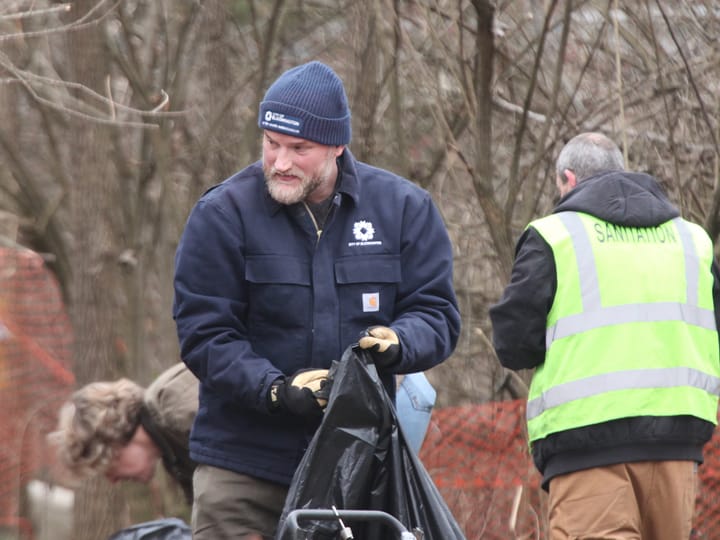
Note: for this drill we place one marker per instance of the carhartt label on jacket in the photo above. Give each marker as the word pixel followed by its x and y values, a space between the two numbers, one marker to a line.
pixel 371 301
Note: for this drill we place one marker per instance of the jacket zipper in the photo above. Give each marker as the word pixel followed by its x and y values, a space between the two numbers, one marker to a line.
pixel 318 230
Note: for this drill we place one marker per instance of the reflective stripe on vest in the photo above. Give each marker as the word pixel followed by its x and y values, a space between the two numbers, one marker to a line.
pixel 699 370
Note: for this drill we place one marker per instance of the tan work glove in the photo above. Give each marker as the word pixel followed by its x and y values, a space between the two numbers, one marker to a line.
pixel 383 345
pixel 296 394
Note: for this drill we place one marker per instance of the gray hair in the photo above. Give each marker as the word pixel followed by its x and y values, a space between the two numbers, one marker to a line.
pixel 94 423
pixel 589 153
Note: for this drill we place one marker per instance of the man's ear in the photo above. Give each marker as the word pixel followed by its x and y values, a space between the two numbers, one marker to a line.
pixel 569 178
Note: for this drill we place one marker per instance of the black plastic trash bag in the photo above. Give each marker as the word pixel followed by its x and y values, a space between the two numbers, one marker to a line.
pixel 359 459
pixel 159 529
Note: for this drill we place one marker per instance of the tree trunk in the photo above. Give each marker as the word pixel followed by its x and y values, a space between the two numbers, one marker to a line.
pixel 95 281
pixel 497 222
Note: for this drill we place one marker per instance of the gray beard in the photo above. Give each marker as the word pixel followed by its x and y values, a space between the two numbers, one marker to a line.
pixel 296 194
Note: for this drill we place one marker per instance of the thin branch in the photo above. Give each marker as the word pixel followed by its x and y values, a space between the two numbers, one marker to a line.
pixel 26 76
pixel 513 180
pixel 618 73
pixel 108 88
pixel 35 12
pixel 82 22
pixel 689 72
pixel 164 101
pixel 85 116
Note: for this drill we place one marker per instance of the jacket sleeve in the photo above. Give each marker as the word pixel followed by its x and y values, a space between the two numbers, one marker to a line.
pixel 519 318
pixel 716 294
pixel 210 308
pixel 427 318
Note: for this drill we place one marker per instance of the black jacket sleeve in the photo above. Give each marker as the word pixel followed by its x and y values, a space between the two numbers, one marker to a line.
pixel 519 318
pixel 716 294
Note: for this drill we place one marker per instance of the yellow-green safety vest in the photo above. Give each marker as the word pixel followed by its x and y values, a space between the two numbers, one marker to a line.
pixel 631 331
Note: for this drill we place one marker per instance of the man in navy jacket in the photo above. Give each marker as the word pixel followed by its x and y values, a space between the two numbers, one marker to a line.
pixel 280 268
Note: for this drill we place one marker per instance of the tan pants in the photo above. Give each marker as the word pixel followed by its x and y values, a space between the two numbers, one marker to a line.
pixel 649 500
pixel 233 506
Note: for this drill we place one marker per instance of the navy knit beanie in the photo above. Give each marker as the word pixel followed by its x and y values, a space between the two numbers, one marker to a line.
pixel 309 102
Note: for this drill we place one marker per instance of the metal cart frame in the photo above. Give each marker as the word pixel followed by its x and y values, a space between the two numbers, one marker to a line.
pixel 291 523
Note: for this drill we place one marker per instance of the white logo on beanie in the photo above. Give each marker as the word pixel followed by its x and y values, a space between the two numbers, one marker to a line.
pixel 276 121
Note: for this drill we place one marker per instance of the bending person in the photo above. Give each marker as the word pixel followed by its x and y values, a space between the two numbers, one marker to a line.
pixel 121 430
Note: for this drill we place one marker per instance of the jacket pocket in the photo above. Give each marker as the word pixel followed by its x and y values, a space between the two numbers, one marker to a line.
pixel 367 289
pixel 279 308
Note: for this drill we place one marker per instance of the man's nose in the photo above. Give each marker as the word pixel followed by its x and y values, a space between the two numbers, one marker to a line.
pixel 283 161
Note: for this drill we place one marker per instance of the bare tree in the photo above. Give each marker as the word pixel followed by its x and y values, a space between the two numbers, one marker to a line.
pixel 118 114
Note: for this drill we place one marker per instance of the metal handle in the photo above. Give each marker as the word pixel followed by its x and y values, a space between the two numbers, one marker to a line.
pixel 291 522
pixel 345 532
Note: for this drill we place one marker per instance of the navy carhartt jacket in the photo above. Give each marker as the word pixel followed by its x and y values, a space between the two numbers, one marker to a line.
pixel 260 294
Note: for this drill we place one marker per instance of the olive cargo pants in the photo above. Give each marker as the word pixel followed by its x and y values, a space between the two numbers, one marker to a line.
pixel 232 506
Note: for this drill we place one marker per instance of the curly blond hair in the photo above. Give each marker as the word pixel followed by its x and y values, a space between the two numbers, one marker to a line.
pixel 98 419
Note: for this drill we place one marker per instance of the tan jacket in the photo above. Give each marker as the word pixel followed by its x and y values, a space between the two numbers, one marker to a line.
pixel 170 404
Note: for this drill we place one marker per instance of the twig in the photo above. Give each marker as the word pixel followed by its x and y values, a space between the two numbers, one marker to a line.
pixel 618 73
pixel 110 98
pixel 34 12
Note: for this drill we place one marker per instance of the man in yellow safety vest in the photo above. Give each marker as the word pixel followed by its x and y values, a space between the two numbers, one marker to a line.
pixel 614 300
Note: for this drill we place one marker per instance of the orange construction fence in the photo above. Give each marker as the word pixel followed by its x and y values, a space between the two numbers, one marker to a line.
pixel 479 460
pixel 35 375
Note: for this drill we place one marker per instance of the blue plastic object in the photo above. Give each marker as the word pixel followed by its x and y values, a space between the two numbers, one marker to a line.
pixel 414 402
